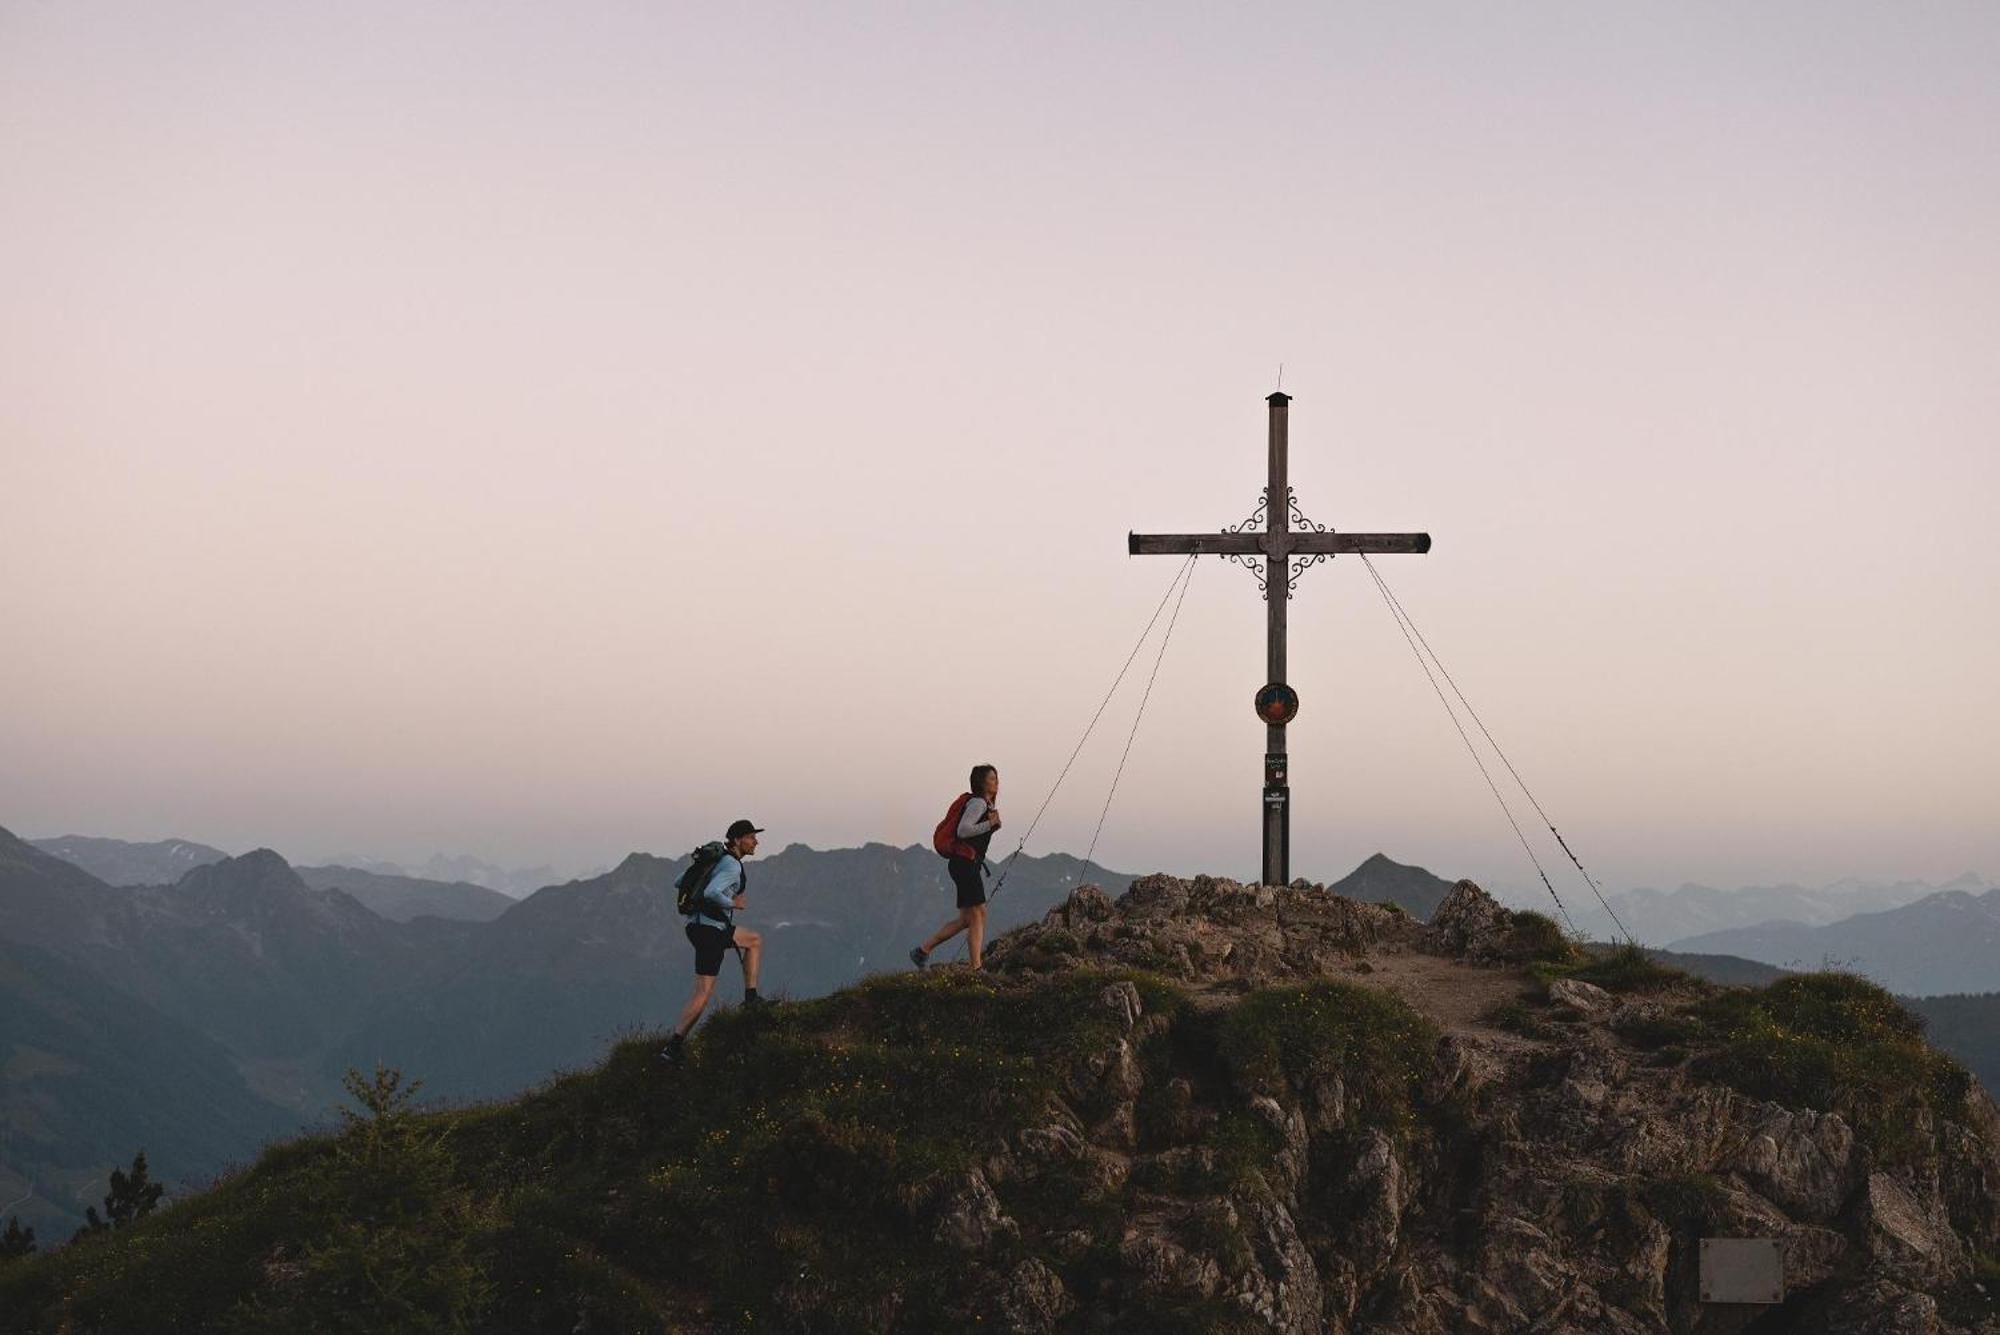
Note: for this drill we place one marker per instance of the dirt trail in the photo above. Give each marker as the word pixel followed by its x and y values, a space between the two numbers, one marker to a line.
pixel 1454 996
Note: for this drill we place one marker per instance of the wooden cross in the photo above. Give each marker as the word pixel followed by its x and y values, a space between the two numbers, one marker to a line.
pixel 1279 544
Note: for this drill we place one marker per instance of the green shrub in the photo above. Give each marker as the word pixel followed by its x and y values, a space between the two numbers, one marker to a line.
pixel 1833 1042
pixel 1536 937
pixel 1626 968
pixel 390 1240
pixel 1294 1037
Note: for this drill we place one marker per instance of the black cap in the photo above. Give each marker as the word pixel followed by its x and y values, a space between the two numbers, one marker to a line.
pixel 737 829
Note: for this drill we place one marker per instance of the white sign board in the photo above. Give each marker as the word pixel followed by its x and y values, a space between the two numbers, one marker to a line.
pixel 1742 1270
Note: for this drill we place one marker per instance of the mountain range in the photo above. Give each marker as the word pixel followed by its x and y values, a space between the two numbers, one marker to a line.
pixel 400 898
pixel 199 1019
pixel 124 862
pixel 1943 943
pixel 375 882
pixel 1664 917
pixel 513 882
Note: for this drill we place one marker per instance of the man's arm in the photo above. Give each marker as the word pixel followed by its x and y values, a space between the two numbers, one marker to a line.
pixel 972 822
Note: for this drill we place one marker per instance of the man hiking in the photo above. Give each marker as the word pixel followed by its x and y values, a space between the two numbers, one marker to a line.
pixel 712 931
pixel 962 838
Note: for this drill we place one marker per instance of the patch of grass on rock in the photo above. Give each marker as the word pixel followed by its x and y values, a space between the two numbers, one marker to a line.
pixel 1537 938
pixel 1624 969
pixel 1833 1042
pixel 1297 1037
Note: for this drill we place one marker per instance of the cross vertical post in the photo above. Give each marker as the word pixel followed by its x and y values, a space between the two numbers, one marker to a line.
pixel 1277 867
pixel 1277 703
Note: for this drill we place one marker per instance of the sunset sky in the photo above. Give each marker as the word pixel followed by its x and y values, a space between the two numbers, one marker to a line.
pixel 546 431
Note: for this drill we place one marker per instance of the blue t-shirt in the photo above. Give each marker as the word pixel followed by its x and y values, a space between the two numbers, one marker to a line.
pixel 725 881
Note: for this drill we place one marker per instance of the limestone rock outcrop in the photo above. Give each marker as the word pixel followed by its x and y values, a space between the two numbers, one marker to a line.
pixel 1556 1180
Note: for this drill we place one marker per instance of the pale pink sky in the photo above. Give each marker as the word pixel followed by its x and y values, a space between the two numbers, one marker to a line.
pixel 551 430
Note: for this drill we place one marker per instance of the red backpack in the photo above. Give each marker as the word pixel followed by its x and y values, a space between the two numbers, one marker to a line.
pixel 945 838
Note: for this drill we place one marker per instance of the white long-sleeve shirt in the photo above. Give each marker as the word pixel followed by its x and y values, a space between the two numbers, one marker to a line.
pixel 972 821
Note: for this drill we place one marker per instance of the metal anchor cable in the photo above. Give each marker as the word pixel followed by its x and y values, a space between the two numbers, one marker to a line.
pixel 1148 695
pixel 1470 749
pixel 1403 618
pixel 1180 575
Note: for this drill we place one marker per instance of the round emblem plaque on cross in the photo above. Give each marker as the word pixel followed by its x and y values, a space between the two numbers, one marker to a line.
pixel 1277 704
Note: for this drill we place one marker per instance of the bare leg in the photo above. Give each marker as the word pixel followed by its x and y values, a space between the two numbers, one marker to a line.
pixel 750 950
pixel 977 928
pixel 691 1012
pixel 947 932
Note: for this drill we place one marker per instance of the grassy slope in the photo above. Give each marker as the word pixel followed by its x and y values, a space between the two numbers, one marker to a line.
pixel 799 1150
pixel 795 1163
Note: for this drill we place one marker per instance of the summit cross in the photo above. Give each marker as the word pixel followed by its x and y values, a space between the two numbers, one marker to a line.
pixel 1286 553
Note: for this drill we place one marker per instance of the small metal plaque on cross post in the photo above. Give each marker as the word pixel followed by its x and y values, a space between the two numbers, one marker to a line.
pixel 1743 1270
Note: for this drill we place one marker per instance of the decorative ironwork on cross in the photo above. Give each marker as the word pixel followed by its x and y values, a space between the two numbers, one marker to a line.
pixel 1288 544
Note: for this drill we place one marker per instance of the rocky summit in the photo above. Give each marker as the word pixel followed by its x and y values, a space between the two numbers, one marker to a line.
pixel 1566 1143
pixel 1202 1106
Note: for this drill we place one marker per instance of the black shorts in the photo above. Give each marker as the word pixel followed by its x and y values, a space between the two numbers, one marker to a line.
pixel 710 945
pixel 971 885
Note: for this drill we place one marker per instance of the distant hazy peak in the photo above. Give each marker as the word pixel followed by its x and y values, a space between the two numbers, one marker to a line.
pixel 125 862
pixel 639 864
pixel 260 868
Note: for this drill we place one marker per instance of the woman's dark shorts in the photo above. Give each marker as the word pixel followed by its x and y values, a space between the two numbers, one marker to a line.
pixel 710 945
pixel 971 886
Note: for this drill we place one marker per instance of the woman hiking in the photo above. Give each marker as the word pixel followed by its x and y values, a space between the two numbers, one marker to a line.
pixel 963 842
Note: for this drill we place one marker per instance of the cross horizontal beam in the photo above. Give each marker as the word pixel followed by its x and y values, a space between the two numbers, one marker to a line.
pixel 1274 544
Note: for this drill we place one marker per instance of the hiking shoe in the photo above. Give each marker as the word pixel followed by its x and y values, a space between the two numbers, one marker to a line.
pixel 918 956
pixel 754 1003
pixel 675 1053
